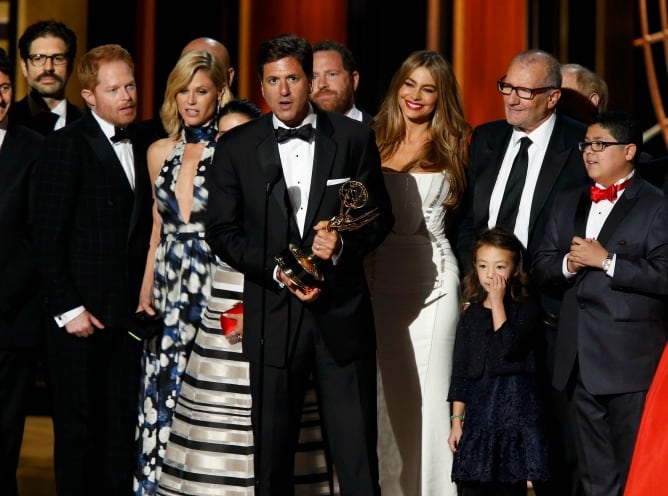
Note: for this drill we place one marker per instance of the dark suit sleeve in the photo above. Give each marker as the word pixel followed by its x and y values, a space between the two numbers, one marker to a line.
pixel 56 185
pixel 225 212
pixel 546 269
pixel 18 270
pixel 357 244
pixel 647 274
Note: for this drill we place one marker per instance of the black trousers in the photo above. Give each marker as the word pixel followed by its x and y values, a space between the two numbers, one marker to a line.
pixel 564 474
pixel 17 378
pixel 605 428
pixel 95 386
pixel 347 397
pixel 492 489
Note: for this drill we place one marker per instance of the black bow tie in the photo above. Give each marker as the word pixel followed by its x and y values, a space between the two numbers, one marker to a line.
pixel 305 133
pixel 121 134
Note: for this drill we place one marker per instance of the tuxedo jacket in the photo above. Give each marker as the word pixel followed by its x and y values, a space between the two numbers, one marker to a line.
pixel 246 162
pixel 92 230
pixel 20 307
pixel 562 169
pixel 366 117
pixel 40 121
pixel 614 327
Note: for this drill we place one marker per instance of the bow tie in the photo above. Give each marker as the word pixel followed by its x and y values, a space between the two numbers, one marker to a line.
pixel 305 133
pixel 121 134
pixel 610 193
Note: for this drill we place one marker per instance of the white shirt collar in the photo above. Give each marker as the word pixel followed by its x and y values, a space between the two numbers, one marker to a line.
pixel 624 179
pixel 61 109
pixel 539 136
pixel 107 128
pixel 355 113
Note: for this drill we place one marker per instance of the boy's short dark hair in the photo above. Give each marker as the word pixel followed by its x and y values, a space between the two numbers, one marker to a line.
pixel 623 127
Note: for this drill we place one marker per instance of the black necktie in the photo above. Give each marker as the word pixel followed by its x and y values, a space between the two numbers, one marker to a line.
pixel 511 196
pixel 305 133
pixel 120 135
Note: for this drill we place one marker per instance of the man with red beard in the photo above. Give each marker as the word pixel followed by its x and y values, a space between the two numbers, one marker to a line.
pixel 92 217
pixel 335 79
pixel 47 50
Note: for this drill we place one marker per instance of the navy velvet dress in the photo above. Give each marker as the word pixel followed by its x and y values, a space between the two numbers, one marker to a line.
pixel 494 374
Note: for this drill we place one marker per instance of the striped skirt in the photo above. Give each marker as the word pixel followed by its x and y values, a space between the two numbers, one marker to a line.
pixel 210 448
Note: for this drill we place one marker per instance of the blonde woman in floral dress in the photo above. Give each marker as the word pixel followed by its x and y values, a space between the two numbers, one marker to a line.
pixel 180 265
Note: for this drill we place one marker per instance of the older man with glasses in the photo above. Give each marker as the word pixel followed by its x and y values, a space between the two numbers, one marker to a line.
pixel 517 166
pixel 47 50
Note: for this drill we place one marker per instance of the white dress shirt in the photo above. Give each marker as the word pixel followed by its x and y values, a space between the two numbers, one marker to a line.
pixel 3 131
pixel 297 163
pixel 540 137
pixel 123 149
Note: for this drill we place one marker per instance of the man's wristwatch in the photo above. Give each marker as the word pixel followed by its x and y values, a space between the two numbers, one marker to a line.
pixel 607 262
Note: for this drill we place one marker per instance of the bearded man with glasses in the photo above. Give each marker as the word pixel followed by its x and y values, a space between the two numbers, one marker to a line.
pixel 47 50
pixel 517 167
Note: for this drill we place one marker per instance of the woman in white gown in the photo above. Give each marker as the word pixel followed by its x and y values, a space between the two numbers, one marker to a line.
pixel 422 137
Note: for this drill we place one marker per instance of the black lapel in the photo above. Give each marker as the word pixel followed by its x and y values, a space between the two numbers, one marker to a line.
pixel 490 161
pixel 581 214
pixel 556 157
pixel 619 211
pixel 104 152
pixel 323 158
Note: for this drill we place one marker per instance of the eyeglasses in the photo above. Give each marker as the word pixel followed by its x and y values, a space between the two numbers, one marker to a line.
pixel 598 146
pixel 39 59
pixel 523 93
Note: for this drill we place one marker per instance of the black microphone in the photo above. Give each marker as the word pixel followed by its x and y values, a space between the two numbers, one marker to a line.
pixel 272 175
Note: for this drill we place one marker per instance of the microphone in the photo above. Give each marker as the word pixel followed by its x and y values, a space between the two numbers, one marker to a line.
pixel 272 175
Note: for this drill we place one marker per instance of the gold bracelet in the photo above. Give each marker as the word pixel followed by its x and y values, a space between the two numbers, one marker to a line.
pixel 460 417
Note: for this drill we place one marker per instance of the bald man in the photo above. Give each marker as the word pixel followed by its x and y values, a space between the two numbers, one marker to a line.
pixel 216 48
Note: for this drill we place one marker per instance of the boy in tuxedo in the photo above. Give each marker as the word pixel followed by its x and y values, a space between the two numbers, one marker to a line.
pixel 607 244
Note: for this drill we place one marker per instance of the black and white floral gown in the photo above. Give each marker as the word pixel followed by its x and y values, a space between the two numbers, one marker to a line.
pixel 183 271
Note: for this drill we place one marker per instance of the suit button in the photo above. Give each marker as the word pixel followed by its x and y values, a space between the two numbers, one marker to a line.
pixel 582 305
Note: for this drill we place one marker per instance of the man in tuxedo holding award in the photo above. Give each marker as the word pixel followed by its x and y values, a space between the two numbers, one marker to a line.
pixel 275 182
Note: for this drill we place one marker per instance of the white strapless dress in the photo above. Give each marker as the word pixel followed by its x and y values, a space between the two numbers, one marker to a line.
pixel 414 283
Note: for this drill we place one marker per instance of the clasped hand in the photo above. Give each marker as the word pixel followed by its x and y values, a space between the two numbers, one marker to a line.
pixel 325 245
pixel 585 252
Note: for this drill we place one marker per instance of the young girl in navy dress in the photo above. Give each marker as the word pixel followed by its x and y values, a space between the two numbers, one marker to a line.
pixel 497 431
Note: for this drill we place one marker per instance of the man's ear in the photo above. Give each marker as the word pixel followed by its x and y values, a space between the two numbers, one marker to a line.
pixel 24 68
pixel 89 97
pixel 553 98
pixel 356 80
pixel 594 99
